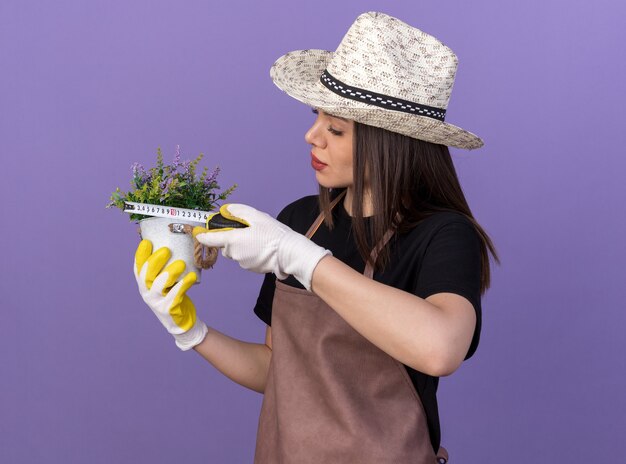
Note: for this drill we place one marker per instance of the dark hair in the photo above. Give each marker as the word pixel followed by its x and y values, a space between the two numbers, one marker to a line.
pixel 407 176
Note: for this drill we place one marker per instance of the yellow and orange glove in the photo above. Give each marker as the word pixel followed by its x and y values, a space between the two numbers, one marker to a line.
pixel 167 298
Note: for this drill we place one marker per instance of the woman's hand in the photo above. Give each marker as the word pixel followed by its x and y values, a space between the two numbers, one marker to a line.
pixel 166 297
pixel 267 245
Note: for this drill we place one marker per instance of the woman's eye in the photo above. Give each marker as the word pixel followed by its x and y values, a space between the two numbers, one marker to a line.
pixel 330 128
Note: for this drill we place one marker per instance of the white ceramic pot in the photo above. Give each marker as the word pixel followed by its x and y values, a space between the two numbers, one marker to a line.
pixel 157 230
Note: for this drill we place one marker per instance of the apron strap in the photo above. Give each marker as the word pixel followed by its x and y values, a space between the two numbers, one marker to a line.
pixel 369 270
pixel 320 217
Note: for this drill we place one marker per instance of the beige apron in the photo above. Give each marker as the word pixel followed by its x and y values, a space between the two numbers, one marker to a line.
pixel 331 395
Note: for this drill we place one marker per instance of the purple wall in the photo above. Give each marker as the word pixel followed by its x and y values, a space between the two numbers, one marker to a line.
pixel 87 373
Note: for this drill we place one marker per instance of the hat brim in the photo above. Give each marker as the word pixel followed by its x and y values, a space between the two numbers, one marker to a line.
pixel 298 74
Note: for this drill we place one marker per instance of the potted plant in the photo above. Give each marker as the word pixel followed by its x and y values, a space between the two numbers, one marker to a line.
pixel 175 185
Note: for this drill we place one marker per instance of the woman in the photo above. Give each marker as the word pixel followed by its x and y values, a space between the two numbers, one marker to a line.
pixel 372 288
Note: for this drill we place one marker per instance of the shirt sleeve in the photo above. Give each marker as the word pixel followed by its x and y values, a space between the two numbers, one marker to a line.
pixel 452 263
pixel 263 307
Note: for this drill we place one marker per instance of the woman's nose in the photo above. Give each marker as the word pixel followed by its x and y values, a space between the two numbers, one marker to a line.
pixel 314 135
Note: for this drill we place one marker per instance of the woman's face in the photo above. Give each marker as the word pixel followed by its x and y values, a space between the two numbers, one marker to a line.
pixel 330 138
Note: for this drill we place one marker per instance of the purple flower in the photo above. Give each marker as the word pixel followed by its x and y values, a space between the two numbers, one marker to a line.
pixel 139 174
pixel 165 187
pixel 184 170
pixel 209 180
pixel 176 162
pixel 185 165
pixel 138 170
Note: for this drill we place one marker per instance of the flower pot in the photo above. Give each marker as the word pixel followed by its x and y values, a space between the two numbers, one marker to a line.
pixel 181 245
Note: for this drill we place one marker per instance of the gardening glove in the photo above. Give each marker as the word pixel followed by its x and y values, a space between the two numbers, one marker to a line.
pixel 266 245
pixel 167 298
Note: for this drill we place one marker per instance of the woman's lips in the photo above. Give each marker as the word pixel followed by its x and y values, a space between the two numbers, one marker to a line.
pixel 317 164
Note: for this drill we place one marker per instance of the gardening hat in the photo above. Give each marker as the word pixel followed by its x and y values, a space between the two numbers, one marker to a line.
pixel 384 73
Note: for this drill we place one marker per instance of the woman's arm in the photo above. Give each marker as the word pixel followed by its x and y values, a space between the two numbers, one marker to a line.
pixel 243 362
pixel 430 335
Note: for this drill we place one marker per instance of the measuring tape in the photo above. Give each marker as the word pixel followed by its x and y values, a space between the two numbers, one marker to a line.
pixel 211 220
pixel 171 212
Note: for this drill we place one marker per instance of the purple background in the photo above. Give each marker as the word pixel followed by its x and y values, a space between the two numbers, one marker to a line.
pixel 86 88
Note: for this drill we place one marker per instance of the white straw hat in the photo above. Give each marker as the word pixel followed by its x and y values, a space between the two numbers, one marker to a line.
pixel 384 73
